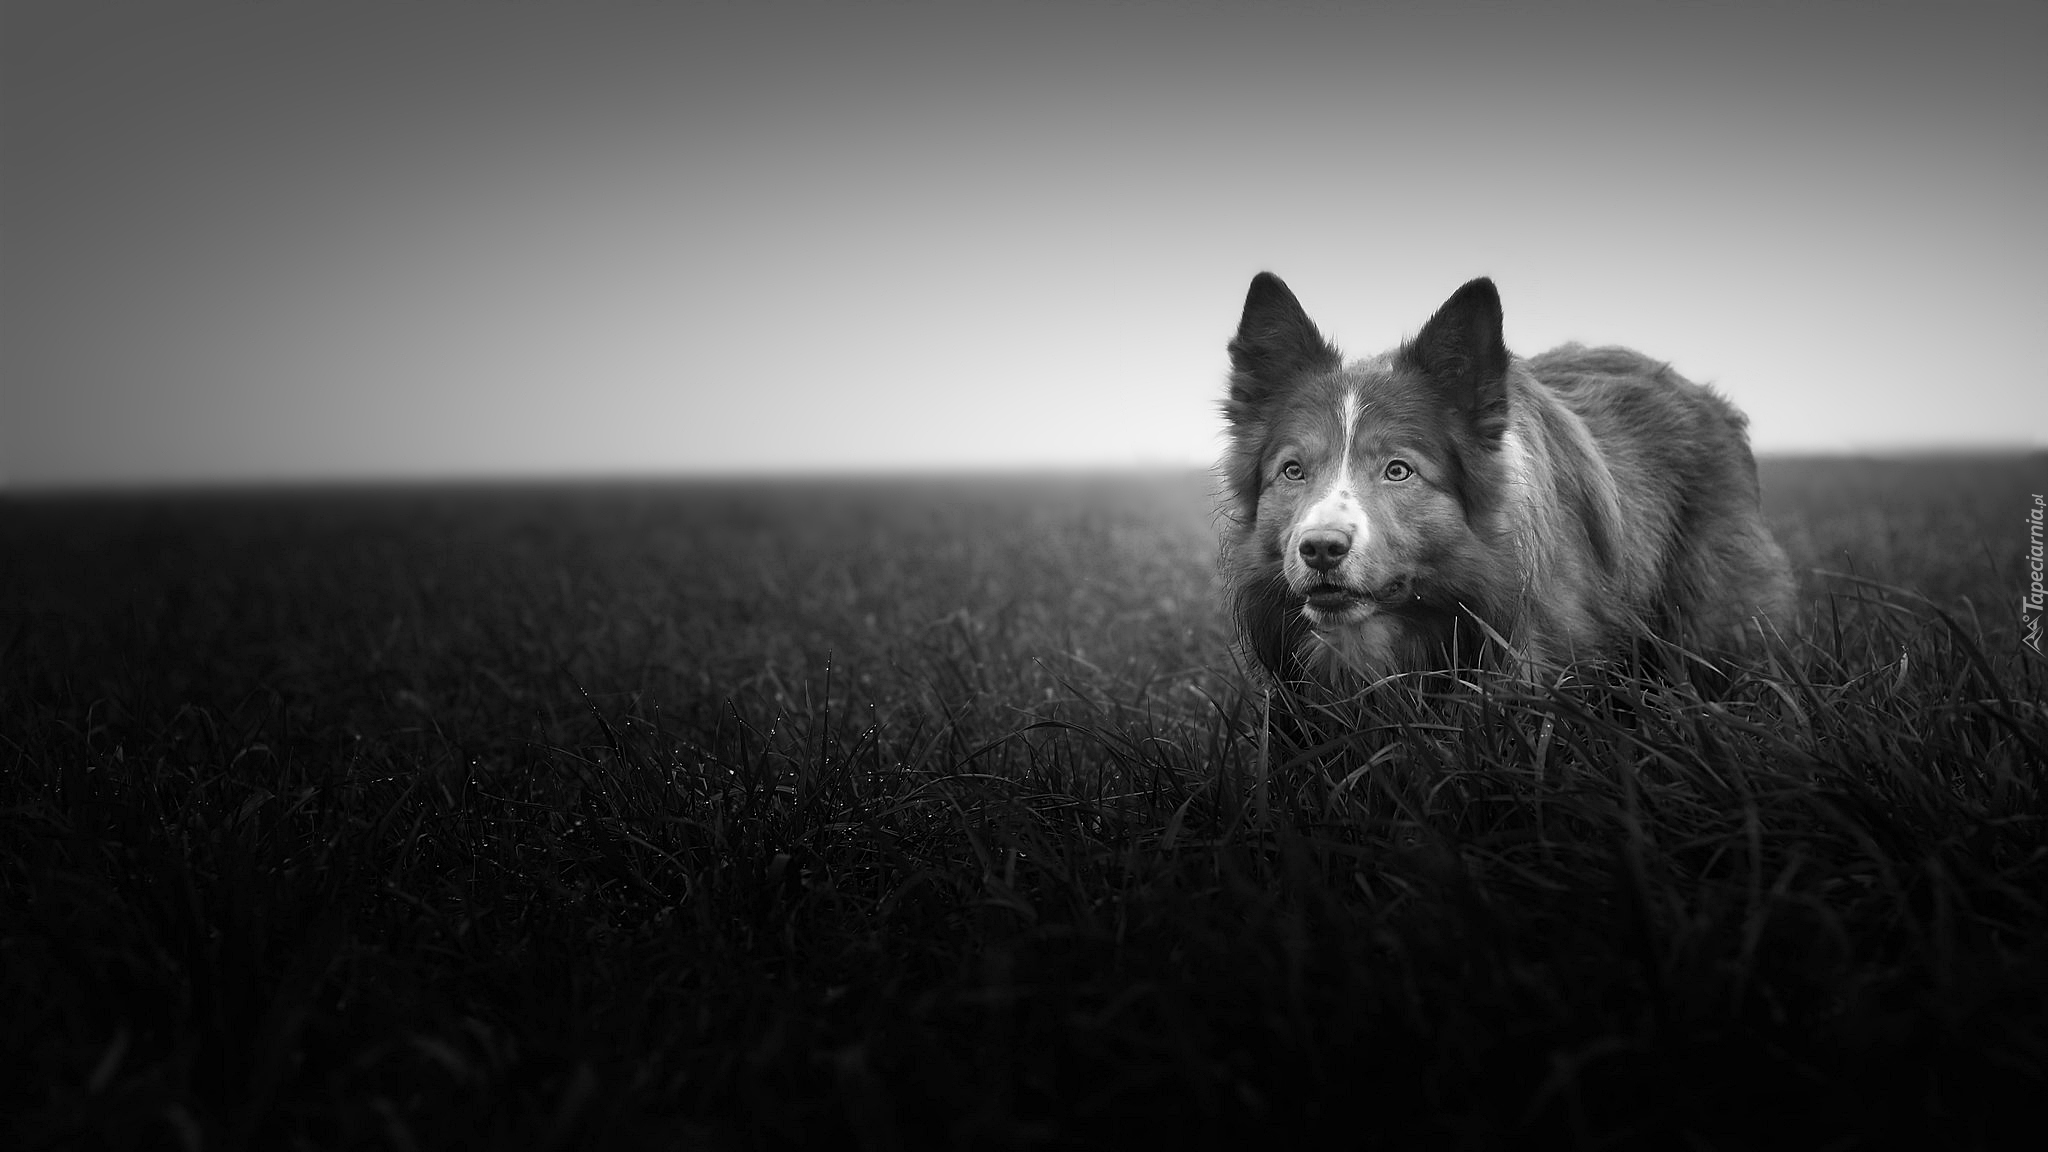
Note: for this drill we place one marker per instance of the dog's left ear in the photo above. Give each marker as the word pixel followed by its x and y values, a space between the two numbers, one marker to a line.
pixel 1462 352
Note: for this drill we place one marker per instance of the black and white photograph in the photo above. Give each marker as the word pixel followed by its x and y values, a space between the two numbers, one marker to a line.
pixel 1022 574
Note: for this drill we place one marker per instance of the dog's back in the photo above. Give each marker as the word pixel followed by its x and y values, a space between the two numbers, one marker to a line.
pixel 1692 537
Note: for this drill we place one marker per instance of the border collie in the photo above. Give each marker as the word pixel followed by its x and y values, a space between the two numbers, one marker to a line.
pixel 1447 504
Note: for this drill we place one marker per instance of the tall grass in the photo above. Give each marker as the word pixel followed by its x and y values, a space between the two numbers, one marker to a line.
pixel 869 817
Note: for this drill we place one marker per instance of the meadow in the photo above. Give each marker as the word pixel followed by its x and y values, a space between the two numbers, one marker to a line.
pixel 938 813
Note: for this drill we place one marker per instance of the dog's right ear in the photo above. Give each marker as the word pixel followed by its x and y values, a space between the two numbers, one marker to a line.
pixel 1275 343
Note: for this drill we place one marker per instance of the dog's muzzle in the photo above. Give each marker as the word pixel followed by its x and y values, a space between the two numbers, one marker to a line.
pixel 1335 598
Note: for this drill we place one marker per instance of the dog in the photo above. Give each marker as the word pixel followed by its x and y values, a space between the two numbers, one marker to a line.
pixel 1448 505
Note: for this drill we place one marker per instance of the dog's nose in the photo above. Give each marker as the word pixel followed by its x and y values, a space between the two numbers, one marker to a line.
pixel 1324 548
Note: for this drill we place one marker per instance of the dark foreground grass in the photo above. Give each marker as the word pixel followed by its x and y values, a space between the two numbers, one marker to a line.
pixel 886 815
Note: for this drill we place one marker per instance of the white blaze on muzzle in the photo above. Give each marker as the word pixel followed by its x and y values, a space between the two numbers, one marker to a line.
pixel 1333 524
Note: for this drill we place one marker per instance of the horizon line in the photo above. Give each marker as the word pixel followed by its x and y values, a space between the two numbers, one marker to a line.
pixel 11 487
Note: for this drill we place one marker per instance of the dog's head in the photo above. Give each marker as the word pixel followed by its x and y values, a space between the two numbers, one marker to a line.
pixel 1355 487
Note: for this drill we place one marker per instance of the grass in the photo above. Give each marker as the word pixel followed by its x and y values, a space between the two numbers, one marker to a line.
pixel 895 814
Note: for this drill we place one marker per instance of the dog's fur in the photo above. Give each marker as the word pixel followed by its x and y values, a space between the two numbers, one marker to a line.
pixel 1416 510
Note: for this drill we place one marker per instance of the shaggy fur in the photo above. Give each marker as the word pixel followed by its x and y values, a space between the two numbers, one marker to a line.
pixel 1415 510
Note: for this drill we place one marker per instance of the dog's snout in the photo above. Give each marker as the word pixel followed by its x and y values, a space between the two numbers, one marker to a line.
pixel 1324 548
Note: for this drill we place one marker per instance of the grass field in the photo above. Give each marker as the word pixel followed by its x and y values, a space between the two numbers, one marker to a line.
pixel 908 813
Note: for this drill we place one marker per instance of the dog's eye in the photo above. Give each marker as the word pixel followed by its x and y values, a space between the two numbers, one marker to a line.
pixel 1398 470
pixel 1292 471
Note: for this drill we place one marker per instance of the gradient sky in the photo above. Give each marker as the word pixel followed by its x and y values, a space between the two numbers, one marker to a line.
pixel 415 239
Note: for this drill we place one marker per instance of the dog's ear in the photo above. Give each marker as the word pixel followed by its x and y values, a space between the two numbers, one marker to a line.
pixel 1275 343
pixel 1462 353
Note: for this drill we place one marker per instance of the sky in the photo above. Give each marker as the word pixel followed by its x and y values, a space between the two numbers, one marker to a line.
pixel 399 239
